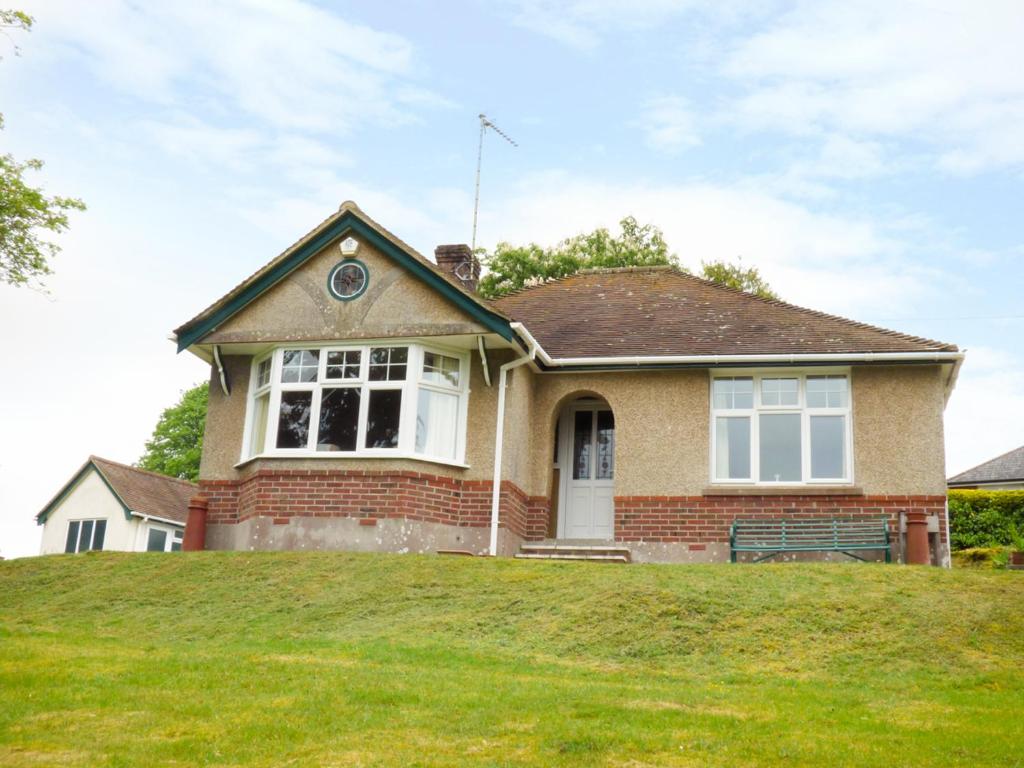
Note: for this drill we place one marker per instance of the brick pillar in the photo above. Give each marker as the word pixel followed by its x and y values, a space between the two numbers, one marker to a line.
pixel 195 528
pixel 917 539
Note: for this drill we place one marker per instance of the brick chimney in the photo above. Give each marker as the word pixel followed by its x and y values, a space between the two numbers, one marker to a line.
pixel 460 262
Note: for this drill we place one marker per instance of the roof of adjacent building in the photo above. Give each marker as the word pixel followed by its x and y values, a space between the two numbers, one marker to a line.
pixel 139 491
pixel 652 311
pixel 1006 468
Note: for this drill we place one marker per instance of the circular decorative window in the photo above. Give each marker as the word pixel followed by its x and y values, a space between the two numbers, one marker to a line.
pixel 348 280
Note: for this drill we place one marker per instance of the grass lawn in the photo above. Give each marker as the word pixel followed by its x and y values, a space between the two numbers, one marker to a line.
pixel 329 659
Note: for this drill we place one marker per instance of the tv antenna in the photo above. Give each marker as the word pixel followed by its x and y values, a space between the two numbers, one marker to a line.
pixel 485 123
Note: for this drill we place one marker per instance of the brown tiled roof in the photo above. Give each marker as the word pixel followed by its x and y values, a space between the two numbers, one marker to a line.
pixel 1001 469
pixel 147 492
pixel 650 311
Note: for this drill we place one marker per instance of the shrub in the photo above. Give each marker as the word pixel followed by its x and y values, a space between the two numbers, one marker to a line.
pixel 985 518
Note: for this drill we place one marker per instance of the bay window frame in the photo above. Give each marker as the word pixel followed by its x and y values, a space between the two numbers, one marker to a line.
pixel 801 408
pixel 409 387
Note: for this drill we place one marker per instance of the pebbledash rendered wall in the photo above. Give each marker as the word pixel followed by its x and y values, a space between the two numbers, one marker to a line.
pixel 665 506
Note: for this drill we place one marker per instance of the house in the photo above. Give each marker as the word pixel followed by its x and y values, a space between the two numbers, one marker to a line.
pixel 111 506
pixel 365 398
pixel 1003 473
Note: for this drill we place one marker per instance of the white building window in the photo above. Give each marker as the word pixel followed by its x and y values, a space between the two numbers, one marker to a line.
pixel 372 400
pixel 84 535
pixel 781 428
pixel 164 539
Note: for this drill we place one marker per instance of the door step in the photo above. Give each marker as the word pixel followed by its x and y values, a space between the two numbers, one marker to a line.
pixel 598 553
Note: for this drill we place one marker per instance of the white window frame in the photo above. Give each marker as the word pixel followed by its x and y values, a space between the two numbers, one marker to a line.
pixel 174 536
pixel 78 536
pixel 801 409
pixel 409 388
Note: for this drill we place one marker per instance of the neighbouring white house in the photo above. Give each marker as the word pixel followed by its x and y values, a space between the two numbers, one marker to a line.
pixel 111 506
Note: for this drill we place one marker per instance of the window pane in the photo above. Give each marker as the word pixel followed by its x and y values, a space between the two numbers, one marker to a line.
pixel 437 422
pixel 734 393
pixel 299 365
pixel 605 445
pixel 293 420
pixel 85 536
pixel 440 369
pixel 828 447
pixel 98 534
pixel 732 448
pixel 388 363
pixel 71 545
pixel 263 373
pixel 343 365
pixel 157 540
pixel 780 392
pixel 583 425
pixel 826 392
pixel 176 541
pixel 339 420
pixel 258 433
pixel 383 417
pixel 780 447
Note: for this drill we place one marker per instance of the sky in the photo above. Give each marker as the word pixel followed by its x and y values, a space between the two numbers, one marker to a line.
pixel 865 155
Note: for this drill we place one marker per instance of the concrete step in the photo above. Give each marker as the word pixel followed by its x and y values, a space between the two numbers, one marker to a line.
pixel 582 557
pixel 549 550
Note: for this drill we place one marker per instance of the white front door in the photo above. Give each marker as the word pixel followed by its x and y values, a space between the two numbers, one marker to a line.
pixel 588 459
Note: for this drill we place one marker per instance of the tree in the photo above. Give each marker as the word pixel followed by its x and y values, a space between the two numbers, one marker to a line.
pixel 512 267
pixel 25 212
pixel 737 276
pixel 177 442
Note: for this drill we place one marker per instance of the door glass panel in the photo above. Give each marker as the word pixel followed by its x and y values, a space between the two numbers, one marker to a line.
pixel 605 445
pixel 780 447
pixel 581 445
pixel 157 540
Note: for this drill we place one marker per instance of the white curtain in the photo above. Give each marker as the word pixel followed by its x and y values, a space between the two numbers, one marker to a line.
pixel 437 421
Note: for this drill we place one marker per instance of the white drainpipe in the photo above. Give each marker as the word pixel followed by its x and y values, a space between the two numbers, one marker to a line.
pixel 499 438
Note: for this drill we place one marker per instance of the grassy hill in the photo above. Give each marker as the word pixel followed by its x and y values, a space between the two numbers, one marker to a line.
pixel 358 660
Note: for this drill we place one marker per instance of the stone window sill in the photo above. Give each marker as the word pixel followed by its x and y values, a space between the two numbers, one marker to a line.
pixel 782 490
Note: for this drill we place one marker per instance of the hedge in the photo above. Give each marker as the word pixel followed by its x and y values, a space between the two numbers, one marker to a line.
pixel 985 518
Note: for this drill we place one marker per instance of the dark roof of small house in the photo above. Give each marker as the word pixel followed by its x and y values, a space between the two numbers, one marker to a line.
pixel 139 491
pixel 651 311
pixel 1001 469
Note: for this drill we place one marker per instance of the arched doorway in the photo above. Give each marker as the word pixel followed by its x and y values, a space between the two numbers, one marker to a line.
pixel 586 463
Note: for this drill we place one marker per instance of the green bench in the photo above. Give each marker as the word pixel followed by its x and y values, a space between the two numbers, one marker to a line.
pixel 823 534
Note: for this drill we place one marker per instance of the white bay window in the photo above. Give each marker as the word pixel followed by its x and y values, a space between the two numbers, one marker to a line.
pixel 781 428
pixel 370 400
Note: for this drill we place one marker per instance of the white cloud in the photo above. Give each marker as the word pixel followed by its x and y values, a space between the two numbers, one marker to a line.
pixel 668 123
pixel 946 74
pixel 288 63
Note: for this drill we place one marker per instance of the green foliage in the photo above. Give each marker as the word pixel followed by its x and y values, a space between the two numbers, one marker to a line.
pixel 737 276
pixel 267 659
pixel 979 518
pixel 25 212
pixel 512 267
pixel 177 442
pixel 988 558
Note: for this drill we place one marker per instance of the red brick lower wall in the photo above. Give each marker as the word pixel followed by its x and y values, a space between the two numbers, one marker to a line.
pixel 370 495
pixel 706 519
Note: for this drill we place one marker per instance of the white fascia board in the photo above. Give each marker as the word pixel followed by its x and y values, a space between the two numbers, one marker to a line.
pixel 164 520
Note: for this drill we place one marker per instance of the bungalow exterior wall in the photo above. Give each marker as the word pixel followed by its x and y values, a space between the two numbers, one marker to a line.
pixel 665 505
